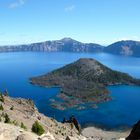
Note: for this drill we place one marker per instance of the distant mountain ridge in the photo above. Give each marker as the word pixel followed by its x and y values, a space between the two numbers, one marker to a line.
pixel 128 47
pixel 63 45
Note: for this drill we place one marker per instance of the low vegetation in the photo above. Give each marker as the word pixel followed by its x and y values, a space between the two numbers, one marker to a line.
pixel 23 126
pixel 7 119
pixel 1 97
pixel 12 108
pixel 15 123
pixel 1 107
pixel 38 128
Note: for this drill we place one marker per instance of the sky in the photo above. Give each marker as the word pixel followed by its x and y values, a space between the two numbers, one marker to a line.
pixel 96 21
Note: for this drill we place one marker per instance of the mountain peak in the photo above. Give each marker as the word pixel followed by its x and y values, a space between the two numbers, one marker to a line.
pixel 67 39
pixel 86 60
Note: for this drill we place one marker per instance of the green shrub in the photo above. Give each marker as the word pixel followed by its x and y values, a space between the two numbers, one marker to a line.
pixel 23 126
pixel 12 108
pixel 3 114
pixel 1 107
pixel 37 128
pixel 7 119
pixel 71 124
pixel 15 123
pixel 1 97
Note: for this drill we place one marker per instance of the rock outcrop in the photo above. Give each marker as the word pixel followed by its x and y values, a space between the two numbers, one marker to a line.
pixel 135 133
pixel 47 136
pixel 26 137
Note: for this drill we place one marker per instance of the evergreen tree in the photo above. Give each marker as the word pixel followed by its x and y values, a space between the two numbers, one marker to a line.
pixel 1 107
pixel 37 128
pixel 1 97
pixel 7 119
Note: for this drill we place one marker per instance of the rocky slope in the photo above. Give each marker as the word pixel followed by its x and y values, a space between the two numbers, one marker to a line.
pixel 22 110
pixel 128 48
pixel 65 44
pixel 84 81
pixel 12 132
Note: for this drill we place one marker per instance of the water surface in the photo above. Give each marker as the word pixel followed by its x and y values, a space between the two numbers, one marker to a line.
pixel 123 110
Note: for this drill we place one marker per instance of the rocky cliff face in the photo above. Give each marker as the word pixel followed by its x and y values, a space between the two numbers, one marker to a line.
pixel 65 44
pixel 135 133
pixel 24 111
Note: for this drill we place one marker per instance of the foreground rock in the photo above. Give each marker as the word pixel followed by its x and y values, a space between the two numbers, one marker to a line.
pixel 135 133
pixel 83 81
pixel 11 132
pixel 26 136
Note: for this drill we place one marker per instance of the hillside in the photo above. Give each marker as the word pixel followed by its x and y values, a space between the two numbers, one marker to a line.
pixel 24 111
pixel 128 48
pixel 63 45
pixel 84 81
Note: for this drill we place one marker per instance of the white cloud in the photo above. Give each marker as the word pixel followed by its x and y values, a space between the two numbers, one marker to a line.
pixel 70 8
pixel 17 3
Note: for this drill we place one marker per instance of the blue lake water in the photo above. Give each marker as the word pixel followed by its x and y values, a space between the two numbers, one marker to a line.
pixel 123 110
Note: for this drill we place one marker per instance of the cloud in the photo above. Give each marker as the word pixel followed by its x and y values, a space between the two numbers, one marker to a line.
pixel 17 3
pixel 70 8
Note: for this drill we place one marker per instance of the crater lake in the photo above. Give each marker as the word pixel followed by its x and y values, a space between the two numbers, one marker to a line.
pixel 121 112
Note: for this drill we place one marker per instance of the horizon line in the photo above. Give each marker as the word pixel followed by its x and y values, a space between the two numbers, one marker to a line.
pixel 20 44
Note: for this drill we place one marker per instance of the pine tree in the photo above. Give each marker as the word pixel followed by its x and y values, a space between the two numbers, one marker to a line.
pixel 1 107
pixel 7 119
pixel 37 128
